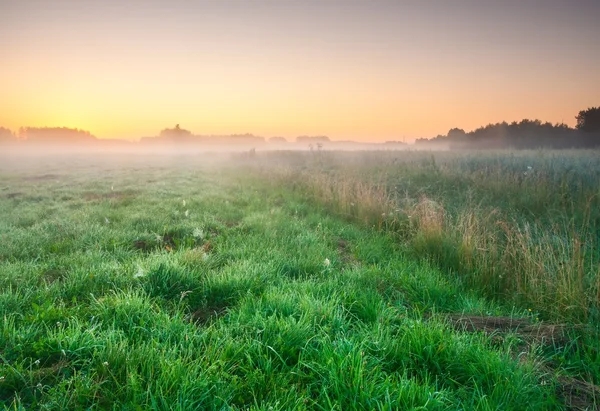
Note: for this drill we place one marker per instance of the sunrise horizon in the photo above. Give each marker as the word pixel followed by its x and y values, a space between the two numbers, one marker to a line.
pixel 367 72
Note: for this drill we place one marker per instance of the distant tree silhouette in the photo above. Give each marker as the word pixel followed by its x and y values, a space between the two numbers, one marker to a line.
pixel 175 133
pixel 589 120
pixel 457 134
pixel 55 134
pixel 278 140
pixel 525 134
pixel 6 134
pixel 312 139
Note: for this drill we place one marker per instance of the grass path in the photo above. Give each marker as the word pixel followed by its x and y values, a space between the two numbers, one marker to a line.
pixel 192 287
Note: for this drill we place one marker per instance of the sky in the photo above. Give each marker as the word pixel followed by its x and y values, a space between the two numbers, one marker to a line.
pixel 368 70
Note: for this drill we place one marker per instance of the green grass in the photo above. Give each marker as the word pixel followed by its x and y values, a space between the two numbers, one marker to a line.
pixel 189 283
pixel 517 227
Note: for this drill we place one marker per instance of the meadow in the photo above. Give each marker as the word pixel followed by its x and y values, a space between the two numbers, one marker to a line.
pixel 301 280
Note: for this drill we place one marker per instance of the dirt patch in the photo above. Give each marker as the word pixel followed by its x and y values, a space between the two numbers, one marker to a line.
pixel 345 253
pixel 579 395
pixel 540 333
pixel 52 275
pixel 166 242
pixel 576 395
pixel 49 372
pixel 231 224
pixel 13 195
pixel 42 177
pixel 207 247
pixel 169 242
pixel 113 195
pixel 209 313
pixel 142 245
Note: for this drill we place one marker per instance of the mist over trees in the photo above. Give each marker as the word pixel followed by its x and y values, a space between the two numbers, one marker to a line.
pixel 177 136
pixel 55 135
pixel 526 134
pixel 175 133
pixel 312 139
pixel 6 134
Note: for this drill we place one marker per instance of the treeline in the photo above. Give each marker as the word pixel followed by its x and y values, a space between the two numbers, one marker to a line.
pixel 178 135
pixel 526 134
pixel 47 135
pixel 168 136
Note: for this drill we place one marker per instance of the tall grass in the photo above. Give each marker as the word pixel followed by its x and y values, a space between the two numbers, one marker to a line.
pixel 520 227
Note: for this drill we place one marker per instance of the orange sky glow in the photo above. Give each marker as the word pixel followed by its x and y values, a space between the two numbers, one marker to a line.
pixel 362 70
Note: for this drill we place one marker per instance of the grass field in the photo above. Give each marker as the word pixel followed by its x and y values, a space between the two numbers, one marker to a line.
pixel 301 280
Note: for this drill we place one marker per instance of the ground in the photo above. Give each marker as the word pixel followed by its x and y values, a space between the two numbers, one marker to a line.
pixel 200 282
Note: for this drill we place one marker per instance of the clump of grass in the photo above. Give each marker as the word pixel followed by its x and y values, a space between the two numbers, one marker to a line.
pixel 351 198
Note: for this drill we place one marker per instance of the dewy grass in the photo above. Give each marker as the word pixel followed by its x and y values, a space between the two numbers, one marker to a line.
pixel 206 286
pixel 518 227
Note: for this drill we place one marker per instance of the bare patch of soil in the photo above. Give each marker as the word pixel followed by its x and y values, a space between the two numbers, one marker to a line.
pixel 52 275
pixel 142 245
pixel 14 194
pixel 209 313
pixel 345 253
pixel 169 241
pixel 42 177
pixel 579 395
pixel 113 195
pixel 207 247
pixel 541 333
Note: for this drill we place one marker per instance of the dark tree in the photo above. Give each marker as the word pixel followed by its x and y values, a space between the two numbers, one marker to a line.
pixel 278 140
pixel 55 134
pixel 6 134
pixel 175 133
pixel 589 120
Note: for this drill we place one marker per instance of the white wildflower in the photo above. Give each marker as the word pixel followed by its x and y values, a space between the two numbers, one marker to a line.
pixel 183 202
pixel 39 386
pixel 112 188
pixel 139 273
pixel 105 363
pixel 37 362
pixel 198 233
pixel 327 263
pixel 1 377
pixel 187 213
pixel 58 324
pixel 529 168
